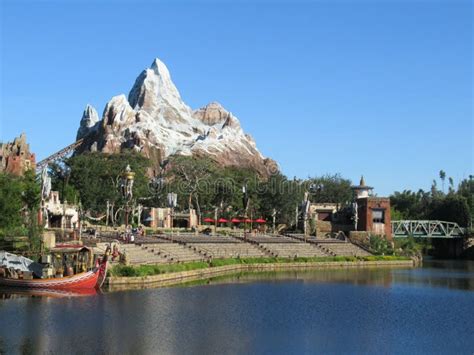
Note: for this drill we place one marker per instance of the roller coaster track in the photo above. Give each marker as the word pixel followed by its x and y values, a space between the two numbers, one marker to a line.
pixel 58 155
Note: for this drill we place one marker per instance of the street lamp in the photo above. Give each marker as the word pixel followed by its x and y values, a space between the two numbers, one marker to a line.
pixel 128 176
pixel 273 219
pixel 172 203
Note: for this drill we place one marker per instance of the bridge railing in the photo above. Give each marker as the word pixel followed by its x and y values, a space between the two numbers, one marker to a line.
pixel 427 228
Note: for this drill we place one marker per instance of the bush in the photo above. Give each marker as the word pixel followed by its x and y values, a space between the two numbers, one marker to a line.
pixel 379 245
pixel 410 246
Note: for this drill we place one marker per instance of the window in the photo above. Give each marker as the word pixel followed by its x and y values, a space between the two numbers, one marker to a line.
pixel 378 216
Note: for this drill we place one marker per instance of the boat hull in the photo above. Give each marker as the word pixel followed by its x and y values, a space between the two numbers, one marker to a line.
pixel 80 281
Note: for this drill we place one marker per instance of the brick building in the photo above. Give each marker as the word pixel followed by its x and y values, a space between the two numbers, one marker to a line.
pixel 373 213
pixel 374 216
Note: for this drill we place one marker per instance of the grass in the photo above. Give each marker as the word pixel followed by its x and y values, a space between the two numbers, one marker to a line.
pixel 149 270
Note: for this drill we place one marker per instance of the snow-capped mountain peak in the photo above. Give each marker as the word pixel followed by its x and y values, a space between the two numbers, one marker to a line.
pixel 155 121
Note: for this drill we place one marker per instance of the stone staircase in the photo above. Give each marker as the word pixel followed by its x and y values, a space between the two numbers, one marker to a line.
pixel 292 250
pixel 135 254
pixel 174 252
pixel 227 250
pixel 345 249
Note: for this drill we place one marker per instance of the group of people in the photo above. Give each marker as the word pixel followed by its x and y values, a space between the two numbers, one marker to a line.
pixel 129 235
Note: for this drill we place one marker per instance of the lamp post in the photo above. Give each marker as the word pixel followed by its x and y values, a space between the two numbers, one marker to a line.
pixel 172 203
pixel 80 215
pixel 215 221
pixel 273 218
pixel 128 176
pixel 245 202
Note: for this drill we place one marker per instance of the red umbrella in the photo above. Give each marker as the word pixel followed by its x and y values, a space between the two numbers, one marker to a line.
pixel 260 220
pixel 223 220
pixel 208 220
pixel 236 220
pixel 247 220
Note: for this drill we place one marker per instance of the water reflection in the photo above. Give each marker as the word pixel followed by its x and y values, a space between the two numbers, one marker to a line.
pixel 445 274
pixel 16 292
pixel 348 310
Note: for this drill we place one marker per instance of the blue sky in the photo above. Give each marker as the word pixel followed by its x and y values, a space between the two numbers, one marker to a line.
pixel 380 88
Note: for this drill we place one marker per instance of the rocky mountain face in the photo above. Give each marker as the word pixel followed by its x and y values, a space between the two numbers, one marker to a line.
pixel 155 121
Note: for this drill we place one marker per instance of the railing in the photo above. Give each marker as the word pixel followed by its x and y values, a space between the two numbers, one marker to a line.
pixel 63 152
pixel 427 229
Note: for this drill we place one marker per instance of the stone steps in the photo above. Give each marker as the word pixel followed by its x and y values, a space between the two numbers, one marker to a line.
pixel 227 250
pixel 290 250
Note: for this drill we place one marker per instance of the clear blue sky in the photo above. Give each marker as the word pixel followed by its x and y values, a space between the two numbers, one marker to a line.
pixel 380 88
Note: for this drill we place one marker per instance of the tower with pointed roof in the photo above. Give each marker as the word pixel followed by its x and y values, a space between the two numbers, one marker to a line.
pixel 372 214
pixel 362 190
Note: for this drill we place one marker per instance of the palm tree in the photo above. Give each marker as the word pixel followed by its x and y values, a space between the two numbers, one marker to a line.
pixel 442 176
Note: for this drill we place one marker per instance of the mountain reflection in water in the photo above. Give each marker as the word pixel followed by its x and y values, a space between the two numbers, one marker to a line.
pixel 425 309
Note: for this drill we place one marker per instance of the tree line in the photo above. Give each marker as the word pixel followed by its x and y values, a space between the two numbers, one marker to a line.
pixel 454 205
pixel 93 180
pixel 199 182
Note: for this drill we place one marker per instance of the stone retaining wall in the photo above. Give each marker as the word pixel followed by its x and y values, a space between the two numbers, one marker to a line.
pixel 202 274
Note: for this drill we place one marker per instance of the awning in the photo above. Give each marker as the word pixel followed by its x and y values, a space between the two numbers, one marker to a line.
pixel 16 262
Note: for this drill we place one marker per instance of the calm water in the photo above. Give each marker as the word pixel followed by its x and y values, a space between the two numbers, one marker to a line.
pixel 424 310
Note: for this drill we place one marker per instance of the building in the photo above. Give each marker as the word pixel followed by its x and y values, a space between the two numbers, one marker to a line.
pixel 362 190
pixel 162 217
pixel 322 211
pixel 372 213
pixel 15 157
pixel 59 215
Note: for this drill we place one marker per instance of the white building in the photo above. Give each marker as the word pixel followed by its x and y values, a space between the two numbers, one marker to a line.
pixel 59 215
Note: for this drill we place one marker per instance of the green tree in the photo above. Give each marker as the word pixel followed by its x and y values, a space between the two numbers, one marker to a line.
pixel 11 202
pixel 466 190
pixel 19 204
pixel 333 189
pixel 31 197
pixel 283 195
pixel 96 177
pixel 408 204
pixel 442 176
pixel 190 177
pixel 453 208
pixel 451 185
pixel 60 174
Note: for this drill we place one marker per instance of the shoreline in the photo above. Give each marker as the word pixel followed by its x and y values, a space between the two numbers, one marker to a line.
pixel 175 278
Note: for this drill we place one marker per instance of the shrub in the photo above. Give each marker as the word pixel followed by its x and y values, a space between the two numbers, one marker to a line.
pixel 379 245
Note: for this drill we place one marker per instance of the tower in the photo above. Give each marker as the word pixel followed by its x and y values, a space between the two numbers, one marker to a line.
pixel 362 190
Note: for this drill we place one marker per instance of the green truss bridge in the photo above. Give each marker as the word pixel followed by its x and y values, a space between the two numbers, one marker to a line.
pixel 427 229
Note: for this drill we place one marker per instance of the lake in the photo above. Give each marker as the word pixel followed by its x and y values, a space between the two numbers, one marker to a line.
pixel 422 310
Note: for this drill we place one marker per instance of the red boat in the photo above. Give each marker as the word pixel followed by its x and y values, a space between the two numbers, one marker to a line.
pixel 91 279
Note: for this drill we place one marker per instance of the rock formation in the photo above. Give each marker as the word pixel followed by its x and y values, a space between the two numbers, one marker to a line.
pixel 155 121
pixel 15 157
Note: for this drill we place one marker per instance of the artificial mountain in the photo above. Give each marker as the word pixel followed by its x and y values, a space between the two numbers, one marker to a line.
pixel 155 121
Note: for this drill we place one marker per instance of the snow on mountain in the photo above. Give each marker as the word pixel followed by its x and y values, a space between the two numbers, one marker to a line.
pixel 88 121
pixel 154 120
